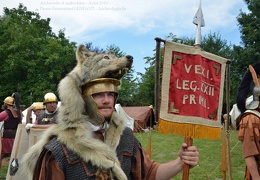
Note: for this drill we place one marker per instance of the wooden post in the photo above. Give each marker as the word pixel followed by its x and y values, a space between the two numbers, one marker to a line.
pixel 224 148
pixel 228 119
pixel 157 78
pixel 149 146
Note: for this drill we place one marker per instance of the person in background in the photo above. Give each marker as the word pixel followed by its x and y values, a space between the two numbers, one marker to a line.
pixel 249 121
pixel 37 108
pixel 11 116
pixel 49 116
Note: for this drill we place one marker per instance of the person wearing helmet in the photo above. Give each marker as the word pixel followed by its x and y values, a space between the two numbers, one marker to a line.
pixel 11 119
pixel 37 108
pixel 49 116
pixel 104 148
pixel 249 120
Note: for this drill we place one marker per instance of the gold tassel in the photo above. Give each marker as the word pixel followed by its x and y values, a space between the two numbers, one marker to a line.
pixel 189 130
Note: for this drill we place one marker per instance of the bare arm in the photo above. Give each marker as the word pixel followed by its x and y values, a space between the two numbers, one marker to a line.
pixel 188 155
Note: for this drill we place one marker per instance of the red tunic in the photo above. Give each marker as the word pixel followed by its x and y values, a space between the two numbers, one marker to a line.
pixel 7 143
pixel 250 137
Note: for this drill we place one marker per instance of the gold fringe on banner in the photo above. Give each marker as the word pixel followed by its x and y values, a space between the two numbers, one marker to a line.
pixel 189 130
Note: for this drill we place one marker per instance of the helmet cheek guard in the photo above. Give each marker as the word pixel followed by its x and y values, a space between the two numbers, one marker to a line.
pixel 92 111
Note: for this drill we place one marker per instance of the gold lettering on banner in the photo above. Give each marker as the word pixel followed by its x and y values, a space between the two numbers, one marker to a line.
pixel 172 108
pixel 217 68
pixel 212 116
pixel 190 98
pixel 198 69
pixel 207 88
pixel 175 58
pixel 203 101
pixel 186 85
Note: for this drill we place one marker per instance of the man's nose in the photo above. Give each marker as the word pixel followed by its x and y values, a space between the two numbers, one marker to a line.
pixel 106 98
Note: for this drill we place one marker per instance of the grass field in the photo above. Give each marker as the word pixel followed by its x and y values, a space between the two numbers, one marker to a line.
pixel 165 147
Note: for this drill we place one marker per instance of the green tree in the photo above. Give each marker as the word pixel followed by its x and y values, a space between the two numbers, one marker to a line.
pixel 249 25
pixel 127 90
pixel 249 51
pixel 33 58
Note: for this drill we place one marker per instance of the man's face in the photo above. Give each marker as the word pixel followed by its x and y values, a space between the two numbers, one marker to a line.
pixel 51 106
pixel 105 103
pixel 37 112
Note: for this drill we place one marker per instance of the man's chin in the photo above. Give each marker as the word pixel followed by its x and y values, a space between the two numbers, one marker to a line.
pixel 106 113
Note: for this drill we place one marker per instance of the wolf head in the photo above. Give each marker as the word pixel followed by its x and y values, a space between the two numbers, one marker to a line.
pixel 92 66
pixel 89 66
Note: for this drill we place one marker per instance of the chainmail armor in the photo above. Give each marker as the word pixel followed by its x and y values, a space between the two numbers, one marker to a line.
pixel 74 168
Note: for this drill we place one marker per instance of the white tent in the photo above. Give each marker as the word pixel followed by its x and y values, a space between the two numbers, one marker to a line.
pixel 129 120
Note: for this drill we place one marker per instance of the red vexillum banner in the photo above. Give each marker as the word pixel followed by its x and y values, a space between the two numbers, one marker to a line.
pixel 192 88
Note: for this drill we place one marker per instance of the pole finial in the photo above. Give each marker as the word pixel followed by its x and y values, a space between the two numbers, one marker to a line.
pixel 199 21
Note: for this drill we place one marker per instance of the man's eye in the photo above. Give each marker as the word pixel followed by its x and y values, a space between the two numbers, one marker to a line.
pixel 111 94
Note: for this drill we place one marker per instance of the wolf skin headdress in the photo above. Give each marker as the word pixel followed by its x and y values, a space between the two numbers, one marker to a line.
pixel 73 128
pixel 249 84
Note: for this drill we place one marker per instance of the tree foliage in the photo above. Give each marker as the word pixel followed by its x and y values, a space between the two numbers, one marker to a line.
pixel 249 51
pixel 33 58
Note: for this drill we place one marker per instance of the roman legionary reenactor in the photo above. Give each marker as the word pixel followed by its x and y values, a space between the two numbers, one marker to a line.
pixel 49 115
pixel 11 116
pixel 249 120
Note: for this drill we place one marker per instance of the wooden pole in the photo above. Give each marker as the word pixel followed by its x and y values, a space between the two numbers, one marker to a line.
pixel 186 167
pixel 224 149
pixel 228 118
pixel 149 146
pixel 157 78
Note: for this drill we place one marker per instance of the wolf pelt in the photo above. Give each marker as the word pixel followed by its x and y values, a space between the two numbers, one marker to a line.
pixel 73 123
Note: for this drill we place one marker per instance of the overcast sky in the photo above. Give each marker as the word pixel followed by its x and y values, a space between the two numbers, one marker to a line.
pixel 132 25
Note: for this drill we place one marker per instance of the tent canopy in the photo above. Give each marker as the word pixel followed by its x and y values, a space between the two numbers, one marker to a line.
pixel 143 117
pixel 129 120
